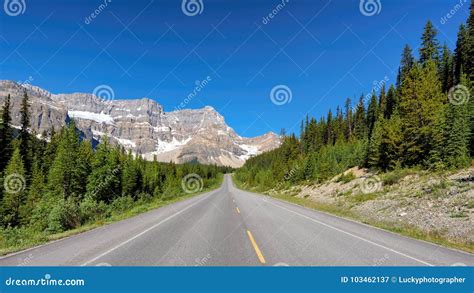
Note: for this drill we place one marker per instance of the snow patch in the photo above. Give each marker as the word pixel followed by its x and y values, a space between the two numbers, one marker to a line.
pixel 126 142
pixel 165 146
pixel 251 151
pixel 97 117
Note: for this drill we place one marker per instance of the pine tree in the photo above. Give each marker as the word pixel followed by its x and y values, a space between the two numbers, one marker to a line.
pixel 406 64
pixel 469 70
pixel 390 145
pixel 429 49
pixel 382 100
pixel 83 166
pixel 130 177
pixel 392 102
pixel 421 98
pixel 104 180
pixel 24 135
pixel 348 120
pixel 329 138
pixel 14 193
pixel 372 114
pixel 360 120
pixel 446 69
pixel 35 192
pixel 457 133
pixel 63 178
pixel 373 153
pixel 6 134
pixel 461 51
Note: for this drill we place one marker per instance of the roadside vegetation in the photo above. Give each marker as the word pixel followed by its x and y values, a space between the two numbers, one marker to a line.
pixel 422 124
pixel 60 184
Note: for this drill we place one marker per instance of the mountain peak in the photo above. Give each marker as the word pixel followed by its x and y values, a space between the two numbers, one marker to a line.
pixel 141 125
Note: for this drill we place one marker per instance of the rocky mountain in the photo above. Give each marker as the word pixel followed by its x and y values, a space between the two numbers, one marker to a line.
pixel 140 125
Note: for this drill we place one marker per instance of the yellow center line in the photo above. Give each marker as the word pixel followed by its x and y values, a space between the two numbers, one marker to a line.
pixel 255 246
pixel 238 211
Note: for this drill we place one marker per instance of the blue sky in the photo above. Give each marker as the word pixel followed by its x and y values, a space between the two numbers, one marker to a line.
pixel 323 51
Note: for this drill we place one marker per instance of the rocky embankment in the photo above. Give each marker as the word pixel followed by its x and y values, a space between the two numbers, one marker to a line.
pixel 439 205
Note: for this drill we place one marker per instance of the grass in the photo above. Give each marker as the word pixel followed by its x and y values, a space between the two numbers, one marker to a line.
pixel 346 178
pixel 399 228
pixel 13 240
pixel 395 176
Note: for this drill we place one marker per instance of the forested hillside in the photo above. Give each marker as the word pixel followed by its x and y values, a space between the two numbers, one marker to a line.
pixel 425 120
pixel 60 182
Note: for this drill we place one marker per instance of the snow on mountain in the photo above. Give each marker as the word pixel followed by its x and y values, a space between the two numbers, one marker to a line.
pixel 142 126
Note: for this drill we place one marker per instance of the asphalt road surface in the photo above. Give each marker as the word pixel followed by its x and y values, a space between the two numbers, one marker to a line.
pixel 231 227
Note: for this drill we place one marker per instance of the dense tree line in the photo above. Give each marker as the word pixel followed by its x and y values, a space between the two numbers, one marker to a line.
pixel 426 119
pixel 61 182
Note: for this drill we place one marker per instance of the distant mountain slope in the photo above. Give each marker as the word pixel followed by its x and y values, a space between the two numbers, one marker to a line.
pixel 141 125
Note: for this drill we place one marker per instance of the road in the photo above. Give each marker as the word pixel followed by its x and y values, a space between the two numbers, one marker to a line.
pixel 231 227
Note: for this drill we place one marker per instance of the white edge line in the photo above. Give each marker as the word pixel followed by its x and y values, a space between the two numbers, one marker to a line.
pixel 355 236
pixel 142 233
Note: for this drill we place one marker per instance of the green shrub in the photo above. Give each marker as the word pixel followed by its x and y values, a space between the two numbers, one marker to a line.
pixel 64 215
pixel 395 176
pixel 92 211
pixel 121 204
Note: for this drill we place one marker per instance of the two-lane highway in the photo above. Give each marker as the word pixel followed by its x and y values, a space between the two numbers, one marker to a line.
pixel 231 227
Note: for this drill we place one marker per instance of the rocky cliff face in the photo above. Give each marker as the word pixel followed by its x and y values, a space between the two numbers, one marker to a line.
pixel 141 125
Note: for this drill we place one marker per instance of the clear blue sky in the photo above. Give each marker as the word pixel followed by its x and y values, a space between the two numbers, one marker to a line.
pixel 324 51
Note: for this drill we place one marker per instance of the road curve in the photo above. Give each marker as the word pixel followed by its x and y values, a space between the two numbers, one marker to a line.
pixel 231 227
